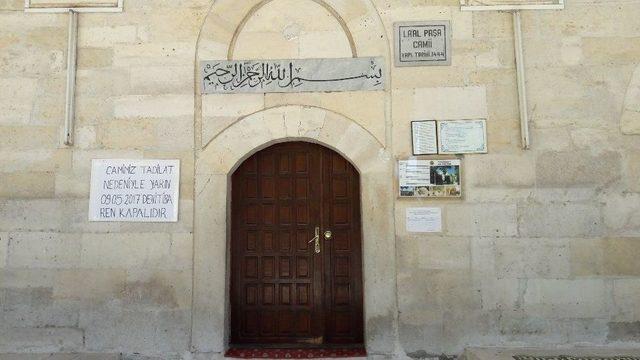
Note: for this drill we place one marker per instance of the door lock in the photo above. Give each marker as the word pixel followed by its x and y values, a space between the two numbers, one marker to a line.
pixel 316 239
pixel 328 234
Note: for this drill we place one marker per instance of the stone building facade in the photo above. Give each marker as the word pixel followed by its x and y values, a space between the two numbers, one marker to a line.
pixel 541 250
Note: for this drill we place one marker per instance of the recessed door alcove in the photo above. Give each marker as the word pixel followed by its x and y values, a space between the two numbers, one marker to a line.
pixel 231 128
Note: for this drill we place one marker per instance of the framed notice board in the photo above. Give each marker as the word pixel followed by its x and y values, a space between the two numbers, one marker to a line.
pixel 424 136
pixel 462 137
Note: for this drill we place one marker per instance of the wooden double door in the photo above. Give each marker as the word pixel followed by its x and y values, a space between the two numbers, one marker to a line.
pixel 289 286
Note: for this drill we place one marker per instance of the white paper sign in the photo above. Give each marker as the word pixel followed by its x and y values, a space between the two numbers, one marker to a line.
pixel 424 220
pixel 424 135
pixel 462 137
pixel 134 190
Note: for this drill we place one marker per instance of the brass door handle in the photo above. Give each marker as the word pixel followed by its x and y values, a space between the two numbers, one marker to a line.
pixel 328 234
pixel 316 239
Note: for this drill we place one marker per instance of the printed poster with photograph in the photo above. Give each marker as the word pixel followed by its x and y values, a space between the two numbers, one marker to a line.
pixel 429 178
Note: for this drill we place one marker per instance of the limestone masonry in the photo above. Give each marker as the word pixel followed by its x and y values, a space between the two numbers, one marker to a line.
pixel 541 250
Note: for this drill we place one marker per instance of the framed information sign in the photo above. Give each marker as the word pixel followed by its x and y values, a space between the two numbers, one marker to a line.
pixel 462 137
pixel 424 137
pixel 430 178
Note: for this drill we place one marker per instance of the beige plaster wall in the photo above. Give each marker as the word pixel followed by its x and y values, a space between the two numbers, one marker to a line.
pixel 541 249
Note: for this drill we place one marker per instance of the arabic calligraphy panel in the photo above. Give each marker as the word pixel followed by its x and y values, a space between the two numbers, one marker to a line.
pixel 298 75
pixel 512 4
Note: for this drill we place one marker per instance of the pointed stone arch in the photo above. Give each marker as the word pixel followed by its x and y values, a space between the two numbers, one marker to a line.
pixel 263 3
pixel 226 19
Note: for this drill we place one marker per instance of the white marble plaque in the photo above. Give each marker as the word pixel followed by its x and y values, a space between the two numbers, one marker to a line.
pixel 424 220
pixel 299 75
pixel 73 3
pixel 462 137
pixel 80 6
pixel 426 43
pixel 134 190
pixel 425 138
pixel 511 4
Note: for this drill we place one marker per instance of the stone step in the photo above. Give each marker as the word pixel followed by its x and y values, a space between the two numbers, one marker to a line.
pixel 509 353
pixel 89 356
pixel 79 356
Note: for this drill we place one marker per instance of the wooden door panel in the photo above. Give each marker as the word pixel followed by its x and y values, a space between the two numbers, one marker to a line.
pixel 251 267
pixel 285 295
pixel 302 267
pixel 251 291
pixel 251 244
pixel 268 269
pixel 281 291
pixel 341 240
pixel 302 240
pixel 277 195
pixel 268 214
pixel 285 241
pixel 267 187
pixel 285 267
pixel 343 258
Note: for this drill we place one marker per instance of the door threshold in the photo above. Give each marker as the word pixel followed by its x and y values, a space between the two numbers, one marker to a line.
pixel 282 352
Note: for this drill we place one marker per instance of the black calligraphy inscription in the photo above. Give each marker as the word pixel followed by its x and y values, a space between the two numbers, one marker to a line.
pixel 303 75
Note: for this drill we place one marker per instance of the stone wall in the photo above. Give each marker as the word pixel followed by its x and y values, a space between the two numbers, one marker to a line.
pixel 539 251
pixel 67 284
pixel 542 248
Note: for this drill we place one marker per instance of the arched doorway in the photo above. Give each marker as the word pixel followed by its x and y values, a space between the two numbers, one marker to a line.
pixel 215 165
pixel 289 287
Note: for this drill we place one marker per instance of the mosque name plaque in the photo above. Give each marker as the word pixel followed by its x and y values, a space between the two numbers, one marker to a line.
pixel 134 190
pixel 425 43
pixel 297 75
